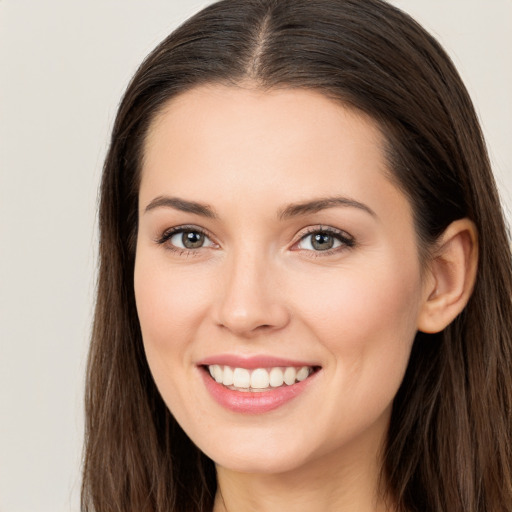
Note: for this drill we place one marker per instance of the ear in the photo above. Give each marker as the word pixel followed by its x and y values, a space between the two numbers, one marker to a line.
pixel 451 276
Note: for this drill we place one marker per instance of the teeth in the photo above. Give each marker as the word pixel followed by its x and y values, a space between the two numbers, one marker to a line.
pixel 241 378
pixel 289 375
pixel 227 379
pixel 276 377
pixel 216 372
pixel 260 378
pixel 302 374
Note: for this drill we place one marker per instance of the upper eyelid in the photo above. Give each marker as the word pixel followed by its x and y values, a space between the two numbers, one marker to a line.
pixel 169 232
pixel 323 229
pixel 345 238
pixel 309 230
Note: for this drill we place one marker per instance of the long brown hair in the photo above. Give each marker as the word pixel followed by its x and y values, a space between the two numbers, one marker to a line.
pixel 449 444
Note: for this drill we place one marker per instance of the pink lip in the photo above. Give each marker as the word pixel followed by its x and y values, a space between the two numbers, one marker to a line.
pixel 254 402
pixel 252 362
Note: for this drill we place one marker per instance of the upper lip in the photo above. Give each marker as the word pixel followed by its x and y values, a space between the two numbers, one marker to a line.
pixel 251 362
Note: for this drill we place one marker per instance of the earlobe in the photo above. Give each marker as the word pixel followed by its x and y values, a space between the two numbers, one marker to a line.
pixel 452 274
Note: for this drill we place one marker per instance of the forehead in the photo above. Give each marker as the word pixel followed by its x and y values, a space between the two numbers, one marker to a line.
pixel 288 145
pixel 212 110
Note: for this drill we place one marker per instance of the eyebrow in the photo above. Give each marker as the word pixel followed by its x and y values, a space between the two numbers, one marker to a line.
pixel 318 205
pixel 183 205
pixel 292 210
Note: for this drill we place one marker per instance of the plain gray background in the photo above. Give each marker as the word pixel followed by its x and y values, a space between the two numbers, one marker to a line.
pixel 63 67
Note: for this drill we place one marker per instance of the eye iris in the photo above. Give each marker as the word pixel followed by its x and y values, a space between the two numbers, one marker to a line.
pixel 192 239
pixel 322 241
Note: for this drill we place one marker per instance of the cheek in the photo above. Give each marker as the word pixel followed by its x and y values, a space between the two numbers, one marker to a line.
pixel 360 297
pixel 169 302
pixel 366 318
pixel 367 323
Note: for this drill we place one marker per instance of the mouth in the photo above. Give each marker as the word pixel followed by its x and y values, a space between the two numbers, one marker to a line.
pixel 256 384
pixel 258 379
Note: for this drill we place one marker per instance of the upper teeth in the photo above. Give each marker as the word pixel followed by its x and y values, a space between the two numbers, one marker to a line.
pixel 259 378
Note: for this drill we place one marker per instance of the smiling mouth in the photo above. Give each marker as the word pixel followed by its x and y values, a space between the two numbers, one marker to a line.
pixel 259 379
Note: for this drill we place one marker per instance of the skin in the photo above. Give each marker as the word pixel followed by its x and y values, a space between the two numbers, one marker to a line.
pixel 257 286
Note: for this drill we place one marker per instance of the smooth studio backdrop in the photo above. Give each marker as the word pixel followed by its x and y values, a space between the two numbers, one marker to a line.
pixel 64 65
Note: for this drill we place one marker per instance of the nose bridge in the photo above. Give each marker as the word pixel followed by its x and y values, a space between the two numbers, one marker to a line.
pixel 249 300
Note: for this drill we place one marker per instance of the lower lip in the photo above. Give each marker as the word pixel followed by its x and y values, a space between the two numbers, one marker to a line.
pixel 256 402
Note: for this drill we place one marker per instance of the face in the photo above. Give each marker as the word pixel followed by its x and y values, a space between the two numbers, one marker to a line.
pixel 277 276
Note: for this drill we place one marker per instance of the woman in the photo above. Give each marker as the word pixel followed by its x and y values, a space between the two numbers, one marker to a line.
pixel 304 287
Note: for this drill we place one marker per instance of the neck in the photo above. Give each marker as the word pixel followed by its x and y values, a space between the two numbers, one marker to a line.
pixel 340 481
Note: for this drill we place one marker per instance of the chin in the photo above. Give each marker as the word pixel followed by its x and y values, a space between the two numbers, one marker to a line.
pixel 259 453
pixel 259 463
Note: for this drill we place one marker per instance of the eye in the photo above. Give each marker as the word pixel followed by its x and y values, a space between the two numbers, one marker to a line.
pixel 325 240
pixel 186 238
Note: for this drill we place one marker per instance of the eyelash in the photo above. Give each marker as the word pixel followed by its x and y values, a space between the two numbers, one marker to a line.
pixel 169 233
pixel 346 240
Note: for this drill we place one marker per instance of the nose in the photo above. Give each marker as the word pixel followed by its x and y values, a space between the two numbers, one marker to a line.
pixel 250 300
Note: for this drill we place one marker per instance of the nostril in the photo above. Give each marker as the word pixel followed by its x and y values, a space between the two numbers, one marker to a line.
pixel 248 314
